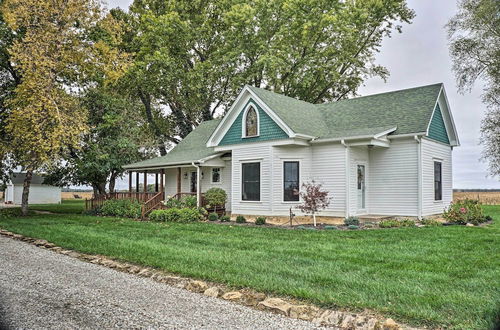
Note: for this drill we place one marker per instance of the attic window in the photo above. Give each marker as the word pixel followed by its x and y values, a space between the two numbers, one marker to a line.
pixel 251 122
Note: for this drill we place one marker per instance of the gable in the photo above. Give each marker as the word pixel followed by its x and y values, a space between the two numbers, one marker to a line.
pixel 268 128
pixel 437 128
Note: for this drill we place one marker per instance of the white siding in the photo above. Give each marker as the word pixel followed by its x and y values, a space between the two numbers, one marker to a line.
pixel 328 168
pixel 358 155
pixel 39 194
pixel 281 154
pixel 435 151
pixel 393 179
pixel 257 153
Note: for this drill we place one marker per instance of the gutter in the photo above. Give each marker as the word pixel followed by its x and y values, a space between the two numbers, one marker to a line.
pixel 347 177
pixel 419 176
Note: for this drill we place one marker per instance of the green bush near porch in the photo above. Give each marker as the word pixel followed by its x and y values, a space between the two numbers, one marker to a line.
pixel 176 215
pixel 121 208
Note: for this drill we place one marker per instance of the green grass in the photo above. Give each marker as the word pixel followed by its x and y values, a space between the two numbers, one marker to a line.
pixel 66 206
pixel 436 276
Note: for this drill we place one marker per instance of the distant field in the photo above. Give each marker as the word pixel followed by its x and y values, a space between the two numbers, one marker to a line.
pixel 486 197
pixel 71 194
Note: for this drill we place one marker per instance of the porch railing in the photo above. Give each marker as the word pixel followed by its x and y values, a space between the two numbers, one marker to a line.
pixel 98 200
pixel 151 204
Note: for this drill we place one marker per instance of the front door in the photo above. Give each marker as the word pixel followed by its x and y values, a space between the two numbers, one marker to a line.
pixel 194 182
pixel 361 188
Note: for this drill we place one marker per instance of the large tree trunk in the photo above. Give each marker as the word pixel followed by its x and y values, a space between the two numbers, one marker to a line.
pixel 146 101
pixel 26 192
pixel 112 181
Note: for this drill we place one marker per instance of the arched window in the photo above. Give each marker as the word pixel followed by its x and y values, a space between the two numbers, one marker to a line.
pixel 251 124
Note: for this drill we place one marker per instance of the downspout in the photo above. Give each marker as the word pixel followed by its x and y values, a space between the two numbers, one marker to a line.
pixel 419 177
pixel 347 178
pixel 198 188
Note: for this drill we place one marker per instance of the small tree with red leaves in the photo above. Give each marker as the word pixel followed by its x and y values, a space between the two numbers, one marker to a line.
pixel 314 199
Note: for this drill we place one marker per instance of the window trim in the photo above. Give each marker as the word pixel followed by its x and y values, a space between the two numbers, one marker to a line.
pixel 244 120
pixel 212 175
pixel 440 162
pixel 241 180
pixel 283 179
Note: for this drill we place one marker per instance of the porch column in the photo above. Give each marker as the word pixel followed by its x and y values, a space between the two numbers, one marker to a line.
pixel 136 181
pixel 145 181
pixel 156 182
pixel 178 180
pixel 198 186
pixel 162 174
pixel 130 184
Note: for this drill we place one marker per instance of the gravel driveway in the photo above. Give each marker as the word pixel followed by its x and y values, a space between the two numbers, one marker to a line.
pixel 43 289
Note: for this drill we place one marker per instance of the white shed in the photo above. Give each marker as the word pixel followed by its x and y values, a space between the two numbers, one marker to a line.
pixel 39 193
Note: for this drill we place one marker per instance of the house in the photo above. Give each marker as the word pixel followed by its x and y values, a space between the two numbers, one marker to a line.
pixel 384 154
pixel 40 193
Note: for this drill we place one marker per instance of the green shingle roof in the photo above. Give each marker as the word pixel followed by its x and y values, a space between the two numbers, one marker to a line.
pixel 191 148
pixel 409 110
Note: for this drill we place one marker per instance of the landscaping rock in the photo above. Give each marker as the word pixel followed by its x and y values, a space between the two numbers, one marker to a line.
pixel 275 305
pixel 214 292
pixel 74 254
pixel 250 298
pixel 196 286
pixel 133 269
pixel 232 296
pixel 469 224
pixel 390 324
pixel 304 312
pixel 172 280
pixel 348 322
pixel 329 317
pixel 146 272
pixel 40 242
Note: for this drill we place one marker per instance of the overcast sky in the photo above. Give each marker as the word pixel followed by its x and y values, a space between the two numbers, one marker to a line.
pixel 419 56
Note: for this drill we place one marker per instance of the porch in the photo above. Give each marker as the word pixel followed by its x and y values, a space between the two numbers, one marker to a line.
pixel 152 196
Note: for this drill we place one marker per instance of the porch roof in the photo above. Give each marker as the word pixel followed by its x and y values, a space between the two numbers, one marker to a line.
pixel 191 149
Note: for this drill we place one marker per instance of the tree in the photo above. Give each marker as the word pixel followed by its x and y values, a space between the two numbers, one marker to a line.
pixel 191 58
pixel 474 34
pixel 116 136
pixel 53 57
pixel 216 197
pixel 313 198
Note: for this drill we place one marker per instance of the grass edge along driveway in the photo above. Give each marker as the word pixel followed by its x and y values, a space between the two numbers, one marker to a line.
pixel 438 276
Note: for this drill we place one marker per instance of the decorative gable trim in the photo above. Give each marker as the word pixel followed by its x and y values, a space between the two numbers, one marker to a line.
pixel 245 95
pixel 442 105
pixel 244 118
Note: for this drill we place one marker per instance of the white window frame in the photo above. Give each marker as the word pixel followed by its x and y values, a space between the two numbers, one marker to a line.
pixel 244 120
pixel 437 160
pixel 212 176
pixel 241 180
pixel 283 161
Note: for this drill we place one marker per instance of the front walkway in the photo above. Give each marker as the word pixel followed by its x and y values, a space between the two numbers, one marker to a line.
pixel 43 289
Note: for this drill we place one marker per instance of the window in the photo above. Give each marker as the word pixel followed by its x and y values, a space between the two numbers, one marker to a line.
pixel 216 175
pixel 438 184
pixel 291 181
pixel 250 190
pixel 251 124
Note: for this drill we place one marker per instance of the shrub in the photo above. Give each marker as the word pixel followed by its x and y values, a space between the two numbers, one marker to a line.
pixel 351 221
pixel 430 222
pixel 407 223
pixel 11 212
pixel 331 227
pixel 216 197
pixel 121 208
pixel 390 223
pixel 353 227
pixel 184 202
pixel 213 216
pixel 488 218
pixel 260 221
pixel 176 215
pixel 225 218
pixel 464 211
pixel 241 219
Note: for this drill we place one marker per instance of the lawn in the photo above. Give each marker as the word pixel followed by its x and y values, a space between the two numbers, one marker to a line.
pixel 67 206
pixel 437 276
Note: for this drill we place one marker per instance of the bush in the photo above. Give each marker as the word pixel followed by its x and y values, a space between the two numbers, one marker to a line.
pixel 11 212
pixel 352 227
pixel 351 221
pixel 390 223
pixel 121 208
pixel 176 215
pixel 430 222
pixel 488 218
pixel 216 197
pixel 240 219
pixel 407 223
pixel 331 227
pixel 185 202
pixel 464 211
pixel 225 218
pixel 213 216
pixel 260 221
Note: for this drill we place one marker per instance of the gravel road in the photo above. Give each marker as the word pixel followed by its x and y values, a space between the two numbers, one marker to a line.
pixel 43 289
